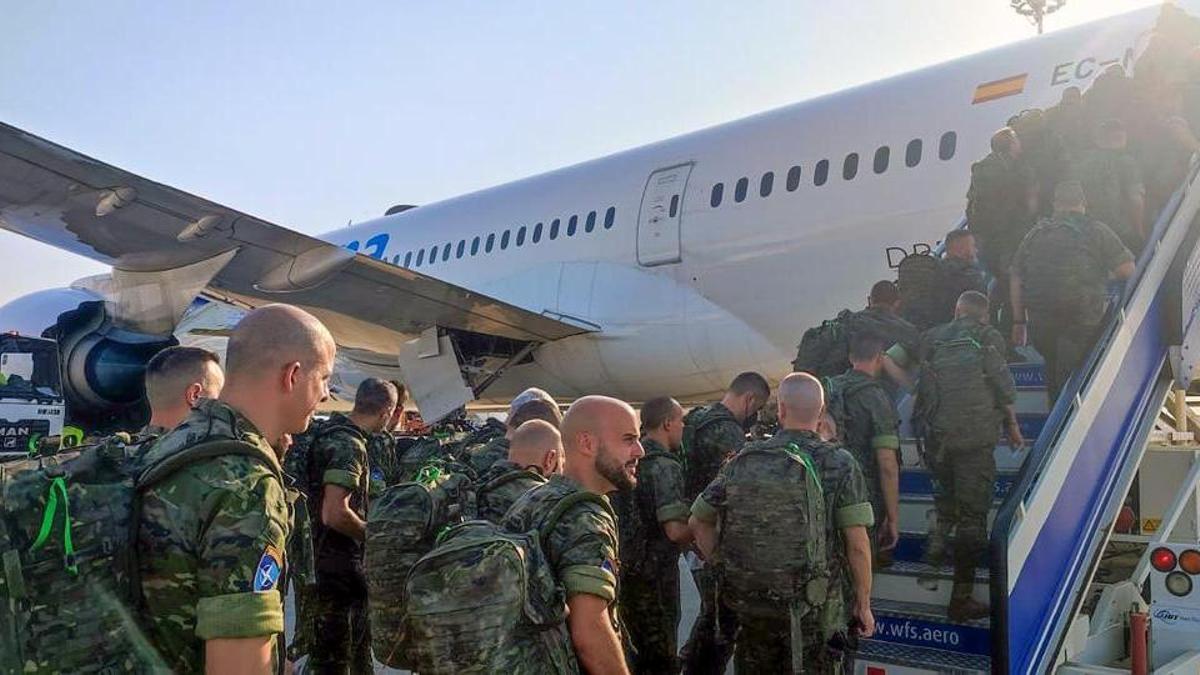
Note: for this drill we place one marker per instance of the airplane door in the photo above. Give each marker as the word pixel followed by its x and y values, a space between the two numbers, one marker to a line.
pixel 660 216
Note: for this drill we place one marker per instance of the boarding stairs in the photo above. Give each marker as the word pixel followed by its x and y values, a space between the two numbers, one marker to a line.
pixel 1055 504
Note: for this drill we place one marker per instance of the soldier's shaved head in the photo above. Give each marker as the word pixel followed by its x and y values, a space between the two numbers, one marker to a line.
pixel 600 436
pixel 1069 197
pixel 178 377
pixel 801 402
pixel 1005 142
pixel 972 304
pixel 538 444
pixel 530 394
pixel 279 361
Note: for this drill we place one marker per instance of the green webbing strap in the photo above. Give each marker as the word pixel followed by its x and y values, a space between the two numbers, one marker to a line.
pixel 428 474
pixel 32 445
pixel 57 492
pixel 799 454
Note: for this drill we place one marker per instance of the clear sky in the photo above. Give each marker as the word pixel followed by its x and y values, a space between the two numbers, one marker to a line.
pixel 332 112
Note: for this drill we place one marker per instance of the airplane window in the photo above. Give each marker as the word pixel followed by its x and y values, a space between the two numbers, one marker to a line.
pixel 462 248
pixel 821 173
pixel 765 185
pixel 571 225
pixel 504 240
pixel 537 233
pixel 433 254
pixel 554 230
pixel 475 246
pixel 446 252
pixel 674 208
pixel 396 259
pixel 610 217
pixel 793 179
pixel 420 257
pixel 850 166
pixel 718 191
pixel 408 259
pixel 882 156
pixel 739 190
pixel 948 145
pixel 521 236
pixel 491 241
pixel 912 154
pixel 591 219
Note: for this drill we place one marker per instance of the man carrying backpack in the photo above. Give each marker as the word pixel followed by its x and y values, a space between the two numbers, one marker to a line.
pixel 960 272
pixel 1059 284
pixel 1113 185
pixel 177 378
pixel 653 525
pixel 711 435
pixel 869 426
pixel 535 453
pixel 481 458
pixel 600 436
pixel 211 534
pixel 381 447
pixel 823 351
pixel 965 394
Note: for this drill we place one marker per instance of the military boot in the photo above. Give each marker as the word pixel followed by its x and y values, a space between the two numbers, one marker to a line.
pixel 935 546
pixel 967 609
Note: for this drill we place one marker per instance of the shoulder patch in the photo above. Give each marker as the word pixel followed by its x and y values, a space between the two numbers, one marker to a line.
pixel 270 566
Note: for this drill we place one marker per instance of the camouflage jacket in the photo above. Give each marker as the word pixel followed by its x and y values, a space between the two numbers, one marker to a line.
pixel 871 422
pixel 498 488
pixel 383 462
pixel 996 201
pixel 481 458
pixel 211 542
pixel 958 277
pixel 340 457
pixel 657 499
pixel 716 436
pixel 1111 179
pixel 888 327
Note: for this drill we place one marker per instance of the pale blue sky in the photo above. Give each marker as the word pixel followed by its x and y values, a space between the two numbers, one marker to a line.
pixel 321 113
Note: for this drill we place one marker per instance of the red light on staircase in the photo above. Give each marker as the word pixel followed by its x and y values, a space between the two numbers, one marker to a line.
pixel 876 670
pixel 1163 559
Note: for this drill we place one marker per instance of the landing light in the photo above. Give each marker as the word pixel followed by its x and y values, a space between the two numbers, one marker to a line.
pixel 1163 559
pixel 1189 561
pixel 1179 584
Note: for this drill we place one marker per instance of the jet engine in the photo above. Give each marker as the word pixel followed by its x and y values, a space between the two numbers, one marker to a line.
pixel 102 364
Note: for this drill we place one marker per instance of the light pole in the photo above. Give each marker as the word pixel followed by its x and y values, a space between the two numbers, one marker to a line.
pixel 1036 10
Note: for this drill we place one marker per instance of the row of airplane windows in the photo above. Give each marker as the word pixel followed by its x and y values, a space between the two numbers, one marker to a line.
pixel 947 146
pixel 490 243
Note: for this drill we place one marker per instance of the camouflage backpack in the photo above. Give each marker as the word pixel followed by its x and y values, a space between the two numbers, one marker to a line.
pixel 479 600
pixel 69 592
pixel 954 400
pixel 1059 268
pixel 402 525
pixel 635 530
pixel 919 278
pixel 696 470
pixel 772 489
pixel 837 395
pixel 824 350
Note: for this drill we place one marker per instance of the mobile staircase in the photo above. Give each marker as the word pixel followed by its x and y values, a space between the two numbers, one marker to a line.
pixel 1054 508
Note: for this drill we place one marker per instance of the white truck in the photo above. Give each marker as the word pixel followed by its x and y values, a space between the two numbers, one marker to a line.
pixel 32 407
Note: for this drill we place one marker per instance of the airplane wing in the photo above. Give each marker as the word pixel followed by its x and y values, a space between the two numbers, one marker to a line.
pixel 157 236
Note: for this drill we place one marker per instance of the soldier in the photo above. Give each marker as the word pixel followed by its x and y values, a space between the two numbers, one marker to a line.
pixel 1113 185
pixel 882 317
pixel 602 452
pixel 211 536
pixel 1059 279
pixel 340 479
pixel 653 527
pixel 497 449
pixel 713 434
pixel 959 270
pixel 870 427
pixel 966 391
pixel 176 379
pixel 494 428
pixel 535 454
pixel 381 447
pixel 1000 205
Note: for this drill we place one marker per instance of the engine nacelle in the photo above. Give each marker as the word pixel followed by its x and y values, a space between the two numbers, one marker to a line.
pixel 102 365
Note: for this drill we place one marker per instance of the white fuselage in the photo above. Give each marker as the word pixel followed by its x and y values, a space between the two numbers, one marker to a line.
pixel 753 273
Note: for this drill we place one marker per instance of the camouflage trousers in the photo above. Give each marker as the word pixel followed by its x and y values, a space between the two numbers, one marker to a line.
pixel 341 640
pixel 965 484
pixel 710 644
pixel 1064 345
pixel 764 645
pixel 649 605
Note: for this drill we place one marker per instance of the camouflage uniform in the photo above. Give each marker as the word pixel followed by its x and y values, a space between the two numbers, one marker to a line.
pixel 886 326
pixel 958 277
pixel 650 561
pixel 960 451
pixel 501 486
pixel 871 423
pixel 582 550
pixel 342 636
pixel 997 211
pixel 211 542
pixel 1063 330
pixel 481 458
pixel 710 644
pixel 385 465
pixel 1110 178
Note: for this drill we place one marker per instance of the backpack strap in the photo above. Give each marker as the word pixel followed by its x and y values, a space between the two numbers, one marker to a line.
pixel 508 477
pixel 566 504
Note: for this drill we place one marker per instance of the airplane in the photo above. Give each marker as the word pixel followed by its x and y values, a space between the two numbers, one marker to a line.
pixel 665 269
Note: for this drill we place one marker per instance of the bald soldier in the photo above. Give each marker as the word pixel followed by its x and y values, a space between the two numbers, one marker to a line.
pixel 483 457
pixel 212 534
pixel 535 453
pixel 600 437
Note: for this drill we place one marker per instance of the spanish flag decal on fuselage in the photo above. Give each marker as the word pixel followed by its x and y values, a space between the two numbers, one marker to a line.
pixel 1009 86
